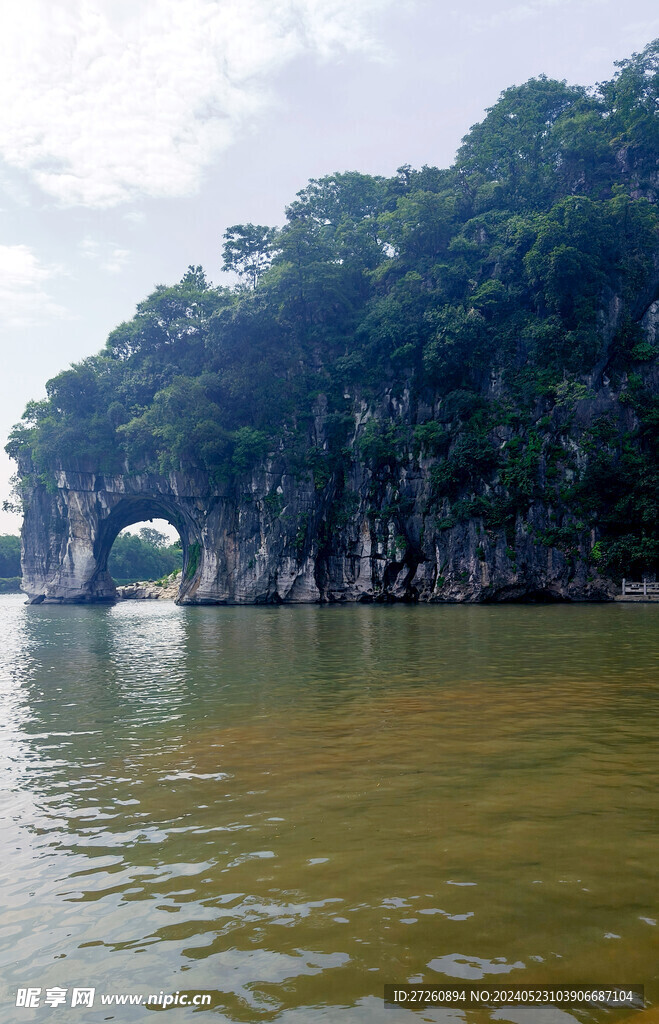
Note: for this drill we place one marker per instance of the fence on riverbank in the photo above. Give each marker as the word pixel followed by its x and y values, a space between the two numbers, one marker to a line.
pixel 644 589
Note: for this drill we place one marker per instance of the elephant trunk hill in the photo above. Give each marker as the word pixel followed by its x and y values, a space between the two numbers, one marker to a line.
pixel 440 386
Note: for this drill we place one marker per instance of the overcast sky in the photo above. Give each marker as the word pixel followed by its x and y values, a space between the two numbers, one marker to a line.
pixel 134 132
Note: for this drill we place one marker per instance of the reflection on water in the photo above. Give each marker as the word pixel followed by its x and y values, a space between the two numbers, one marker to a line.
pixel 290 807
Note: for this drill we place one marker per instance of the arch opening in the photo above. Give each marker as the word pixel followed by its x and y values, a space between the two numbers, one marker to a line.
pixel 146 551
pixel 142 512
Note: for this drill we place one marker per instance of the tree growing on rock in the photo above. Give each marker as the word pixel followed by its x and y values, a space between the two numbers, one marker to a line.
pixel 248 250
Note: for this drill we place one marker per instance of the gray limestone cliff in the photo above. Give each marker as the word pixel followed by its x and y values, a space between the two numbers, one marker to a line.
pixel 272 544
pixel 283 540
pixel 362 535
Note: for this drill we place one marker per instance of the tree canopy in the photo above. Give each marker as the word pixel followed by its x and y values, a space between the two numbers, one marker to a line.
pixel 10 556
pixel 144 556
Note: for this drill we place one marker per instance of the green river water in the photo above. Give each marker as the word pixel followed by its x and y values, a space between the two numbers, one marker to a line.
pixel 288 807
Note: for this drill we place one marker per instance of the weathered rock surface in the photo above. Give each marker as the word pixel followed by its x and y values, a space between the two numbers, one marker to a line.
pixel 285 541
pixel 359 536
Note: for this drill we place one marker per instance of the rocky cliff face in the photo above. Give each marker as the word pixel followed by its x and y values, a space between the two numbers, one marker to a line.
pixel 364 534
pixel 272 545
pixel 286 541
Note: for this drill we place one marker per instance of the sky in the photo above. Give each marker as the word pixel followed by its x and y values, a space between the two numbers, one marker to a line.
pixel 134 132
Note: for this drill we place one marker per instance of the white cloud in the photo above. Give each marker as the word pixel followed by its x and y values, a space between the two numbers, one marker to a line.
pixel 109 256
pixel 135 217
pixel 643 30
pixel 24 302
pixel 517 13
pixel 116 261
pixel 104 101
pixel 89 248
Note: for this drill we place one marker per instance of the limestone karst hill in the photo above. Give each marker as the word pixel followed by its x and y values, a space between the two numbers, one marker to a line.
pixel 442 385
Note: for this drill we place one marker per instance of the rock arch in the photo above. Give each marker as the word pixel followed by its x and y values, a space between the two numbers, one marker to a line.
pixel 131 510
pixel 235 550
pixel 69 531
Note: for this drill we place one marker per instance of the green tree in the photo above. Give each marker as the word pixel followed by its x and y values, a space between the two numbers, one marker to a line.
pixel 10 556
pixel 143 557
pixel 631 98
pixel 248 250
pixel 155 538
pixel 514 147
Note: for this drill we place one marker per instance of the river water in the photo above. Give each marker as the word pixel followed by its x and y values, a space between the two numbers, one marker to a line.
pixel 288 807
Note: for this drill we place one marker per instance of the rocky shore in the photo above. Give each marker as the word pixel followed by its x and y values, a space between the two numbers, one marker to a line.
pixel 148 590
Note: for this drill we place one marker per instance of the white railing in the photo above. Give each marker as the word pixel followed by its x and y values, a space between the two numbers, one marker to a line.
pixel 643 589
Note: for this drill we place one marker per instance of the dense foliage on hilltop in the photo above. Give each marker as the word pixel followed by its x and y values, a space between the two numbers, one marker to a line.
pixel 484 289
